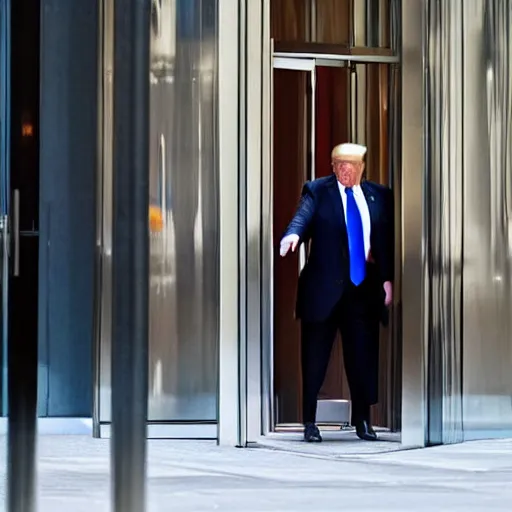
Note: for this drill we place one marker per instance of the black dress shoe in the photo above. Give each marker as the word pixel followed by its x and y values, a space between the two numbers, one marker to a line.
pixel 365 431
pixel 312 434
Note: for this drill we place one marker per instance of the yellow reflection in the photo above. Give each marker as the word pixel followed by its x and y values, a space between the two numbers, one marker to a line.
pixel 156 221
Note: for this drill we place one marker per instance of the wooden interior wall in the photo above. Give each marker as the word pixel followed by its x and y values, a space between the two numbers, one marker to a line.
pixel 333 21
pixel 290 167
pixel 291 21
pixel 377 169
pixel 377 160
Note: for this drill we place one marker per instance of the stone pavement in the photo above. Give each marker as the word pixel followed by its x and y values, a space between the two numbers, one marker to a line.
pixel 200 476
pixel 335 444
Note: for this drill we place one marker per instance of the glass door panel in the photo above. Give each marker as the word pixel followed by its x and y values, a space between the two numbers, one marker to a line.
pixel 184 216
pixel 183 220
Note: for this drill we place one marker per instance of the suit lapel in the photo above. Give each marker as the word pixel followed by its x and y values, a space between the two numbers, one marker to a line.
pixel 370 201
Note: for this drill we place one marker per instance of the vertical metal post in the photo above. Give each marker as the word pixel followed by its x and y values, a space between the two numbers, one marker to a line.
pixel 22 432
pixel 130 254
pixel 22 18
pixel 372 23
pixel 22 392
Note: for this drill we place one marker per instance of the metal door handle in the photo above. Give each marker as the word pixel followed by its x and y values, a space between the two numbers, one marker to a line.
pixel 16 232
pixel 163 176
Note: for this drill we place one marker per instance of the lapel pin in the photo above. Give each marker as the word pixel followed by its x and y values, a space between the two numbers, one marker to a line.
pixel 372 198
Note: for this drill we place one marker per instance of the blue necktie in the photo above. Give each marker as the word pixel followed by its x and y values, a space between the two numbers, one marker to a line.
pixel 355 240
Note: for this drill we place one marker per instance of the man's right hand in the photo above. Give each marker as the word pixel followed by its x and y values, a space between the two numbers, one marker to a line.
pixel 287 243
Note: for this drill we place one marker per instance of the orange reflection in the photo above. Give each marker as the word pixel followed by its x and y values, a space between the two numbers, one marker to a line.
pixel 27 130
pixel 156 220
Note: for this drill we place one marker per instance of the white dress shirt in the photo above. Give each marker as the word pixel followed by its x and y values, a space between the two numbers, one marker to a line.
pixel 363 210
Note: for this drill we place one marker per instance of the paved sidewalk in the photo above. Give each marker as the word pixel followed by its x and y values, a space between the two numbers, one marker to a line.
pixel 335 443
pixel 199 476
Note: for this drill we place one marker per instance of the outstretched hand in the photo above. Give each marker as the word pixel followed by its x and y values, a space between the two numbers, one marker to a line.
pixel 287 243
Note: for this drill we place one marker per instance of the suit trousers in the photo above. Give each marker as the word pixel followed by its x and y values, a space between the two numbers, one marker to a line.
pixel 356 317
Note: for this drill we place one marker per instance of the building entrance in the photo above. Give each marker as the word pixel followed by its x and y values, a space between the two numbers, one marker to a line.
pixel 318 103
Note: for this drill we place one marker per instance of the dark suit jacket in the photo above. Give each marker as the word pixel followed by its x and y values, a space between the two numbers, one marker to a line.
pixel 320 220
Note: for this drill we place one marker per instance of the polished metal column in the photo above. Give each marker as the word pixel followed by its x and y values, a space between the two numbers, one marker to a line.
pixel 444 226
pixel 468 236
pixel 372 23
pixel 487 214
pixel 413 275
pixel 130 254
pixel 20 299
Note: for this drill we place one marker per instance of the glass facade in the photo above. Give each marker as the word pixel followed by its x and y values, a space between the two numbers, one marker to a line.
pixel 246 99
pixel 469 149
pixel 345 23
pixel 184 296
pixel 427 87
pixel 183 216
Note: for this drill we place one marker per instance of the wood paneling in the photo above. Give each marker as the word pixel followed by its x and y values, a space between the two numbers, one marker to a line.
pixel 290 169
pixel 333 21
pixel 332 114
pixel 377 170
pixel 290 20
pixel 377 161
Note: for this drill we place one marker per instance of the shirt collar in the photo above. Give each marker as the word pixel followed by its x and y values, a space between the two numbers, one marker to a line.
pixel 356 188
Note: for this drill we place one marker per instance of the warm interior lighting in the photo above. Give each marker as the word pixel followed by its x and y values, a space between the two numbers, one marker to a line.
pixel 27 130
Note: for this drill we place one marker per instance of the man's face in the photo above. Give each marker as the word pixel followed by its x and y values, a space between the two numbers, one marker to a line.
pixel 348 173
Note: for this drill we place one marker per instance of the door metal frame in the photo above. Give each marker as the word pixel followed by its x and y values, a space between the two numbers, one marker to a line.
pixel 203 431
pixel 292 64
pixel 309 66
pixel 336 58
pixel 300 62
pixel 5 102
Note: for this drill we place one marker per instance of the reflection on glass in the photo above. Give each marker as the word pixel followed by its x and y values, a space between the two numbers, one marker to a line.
pixel 334 22
pixel 487 266
pixel 184 217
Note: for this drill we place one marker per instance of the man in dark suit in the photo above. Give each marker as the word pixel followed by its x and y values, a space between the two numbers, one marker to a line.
pixel 346 283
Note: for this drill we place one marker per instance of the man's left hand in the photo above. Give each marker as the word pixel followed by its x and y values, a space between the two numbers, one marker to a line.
pixel 388 289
